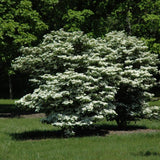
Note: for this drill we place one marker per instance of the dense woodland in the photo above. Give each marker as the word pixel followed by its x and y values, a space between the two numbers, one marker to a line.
pixel 24 22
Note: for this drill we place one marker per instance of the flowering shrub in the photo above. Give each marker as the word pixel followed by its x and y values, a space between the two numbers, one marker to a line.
pixel 81 80
pixel 70 99
pixel 72 84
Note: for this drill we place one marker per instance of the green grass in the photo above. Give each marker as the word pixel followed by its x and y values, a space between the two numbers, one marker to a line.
pixel 28 139
pixel 154 103
pixel 8 106
pixel 7 101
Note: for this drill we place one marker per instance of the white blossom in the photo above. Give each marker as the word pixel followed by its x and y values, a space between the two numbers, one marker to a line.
pixel 80 79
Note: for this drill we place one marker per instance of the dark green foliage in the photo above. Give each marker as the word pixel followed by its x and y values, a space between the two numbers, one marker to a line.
pixel 140 18
pixel 19 25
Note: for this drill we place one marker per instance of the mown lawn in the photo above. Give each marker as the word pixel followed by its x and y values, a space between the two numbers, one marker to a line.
pixel 7 101
pixel 8 106
pixel 28 139
pixel 154 103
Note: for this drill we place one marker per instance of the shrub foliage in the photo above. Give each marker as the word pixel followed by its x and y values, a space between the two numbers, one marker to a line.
pixel 80 80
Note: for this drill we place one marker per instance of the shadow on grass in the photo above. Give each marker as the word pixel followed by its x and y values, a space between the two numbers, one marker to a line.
pixel 37 135
pixel 8 115
pixel 147 154
pixel 94 130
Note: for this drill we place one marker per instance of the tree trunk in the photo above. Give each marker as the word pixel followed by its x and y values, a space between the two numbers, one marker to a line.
pixel 122 124
pixel 128 18
pixel 10 87
pixel 129 24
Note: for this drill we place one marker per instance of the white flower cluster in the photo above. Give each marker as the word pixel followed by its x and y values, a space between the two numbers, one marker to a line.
pixel 82 79
pixel 152 112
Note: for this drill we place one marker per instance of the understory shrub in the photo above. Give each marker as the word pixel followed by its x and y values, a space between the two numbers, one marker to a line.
pixel 79 80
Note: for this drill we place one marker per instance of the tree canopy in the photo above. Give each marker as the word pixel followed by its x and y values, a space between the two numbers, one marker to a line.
pixel 19 25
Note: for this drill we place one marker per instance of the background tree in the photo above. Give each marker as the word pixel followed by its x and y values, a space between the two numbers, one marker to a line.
pixel 139 18
pixel 19 25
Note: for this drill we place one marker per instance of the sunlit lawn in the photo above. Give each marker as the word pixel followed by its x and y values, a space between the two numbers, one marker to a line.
pixel 7 101
pixel 155 103
pixel 28 139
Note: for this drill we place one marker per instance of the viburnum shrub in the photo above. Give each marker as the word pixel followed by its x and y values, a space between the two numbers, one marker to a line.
pixel 80 80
